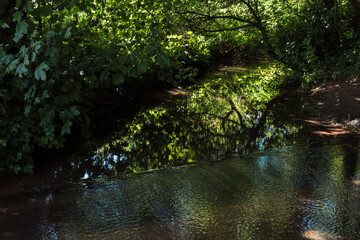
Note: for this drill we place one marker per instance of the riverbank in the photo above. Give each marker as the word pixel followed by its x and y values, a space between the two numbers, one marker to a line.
pixel 336 105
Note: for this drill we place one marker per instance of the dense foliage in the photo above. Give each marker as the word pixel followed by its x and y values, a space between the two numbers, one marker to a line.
pixel 63 61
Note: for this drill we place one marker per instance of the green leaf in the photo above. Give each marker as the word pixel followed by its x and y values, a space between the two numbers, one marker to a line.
pixel 135 53
pixel 28 7
pixel 39 71
pixel 2 53
pixel 23 49
pixel 45 94
pixel 52 52
pixel 68 33
pixel 2 142
pixel 21 69
pixel 40 74
pixel 17 16
pixel 16 169
pixel 21 29
pixel 44 66
pixel 118 78
pixel 27 110
pixel 63 114
pixel 143 66
pixel 33 34
pixel 18 36
pixel 74 111
pixel 12 66
pixel 104 76
pixel 155 32
pixel 50 34
pixel 33 58
pixel 18 3
pixel 37 47
pixel 3 24
pixel 66 128
pixel 149 49
pixel 28 168
pixel 26 60
pixel 163 61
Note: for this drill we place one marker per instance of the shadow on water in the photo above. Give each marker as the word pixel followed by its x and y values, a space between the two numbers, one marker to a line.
pixel 235 160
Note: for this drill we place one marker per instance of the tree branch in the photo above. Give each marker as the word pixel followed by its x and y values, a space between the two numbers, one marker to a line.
pixel 233 108
pixel 210 17
pixel 229 29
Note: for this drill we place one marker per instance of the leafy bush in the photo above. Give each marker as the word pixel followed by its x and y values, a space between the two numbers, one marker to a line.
pixel 60 55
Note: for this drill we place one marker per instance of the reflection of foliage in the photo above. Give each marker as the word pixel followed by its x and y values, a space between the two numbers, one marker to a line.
pixel 277 194
pixel 231 113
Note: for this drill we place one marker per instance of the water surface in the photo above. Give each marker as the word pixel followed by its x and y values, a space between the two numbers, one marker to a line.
pixel 230 158
pixel 301 192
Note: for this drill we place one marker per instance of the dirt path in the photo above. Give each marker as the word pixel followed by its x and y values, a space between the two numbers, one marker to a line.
pixel 336 108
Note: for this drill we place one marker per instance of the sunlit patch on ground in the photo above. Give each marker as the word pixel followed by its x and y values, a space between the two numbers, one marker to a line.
pixel 327 128
pixel 233 69
pixel 318 235
pixel 178 91
pixel 356 182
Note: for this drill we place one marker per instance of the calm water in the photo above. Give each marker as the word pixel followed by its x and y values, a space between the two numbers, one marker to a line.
pixel 289 193
pixel 228 159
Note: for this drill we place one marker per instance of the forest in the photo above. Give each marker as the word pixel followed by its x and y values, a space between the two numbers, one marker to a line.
pixel 66 66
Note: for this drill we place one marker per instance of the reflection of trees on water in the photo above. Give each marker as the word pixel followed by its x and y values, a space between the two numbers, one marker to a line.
pixel 282 193
pixel 229 114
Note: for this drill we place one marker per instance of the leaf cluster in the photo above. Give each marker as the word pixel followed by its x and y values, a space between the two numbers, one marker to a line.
pixel 58 56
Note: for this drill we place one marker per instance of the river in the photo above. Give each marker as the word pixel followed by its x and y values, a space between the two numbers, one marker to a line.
pixel 229 158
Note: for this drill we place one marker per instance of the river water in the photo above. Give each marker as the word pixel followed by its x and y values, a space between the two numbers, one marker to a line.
pixel 230 158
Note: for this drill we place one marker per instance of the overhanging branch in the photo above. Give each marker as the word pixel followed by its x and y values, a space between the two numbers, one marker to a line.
pixel 210 17
pixel 229 29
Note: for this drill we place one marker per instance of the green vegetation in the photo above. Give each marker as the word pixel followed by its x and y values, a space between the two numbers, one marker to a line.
pixel 64 62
